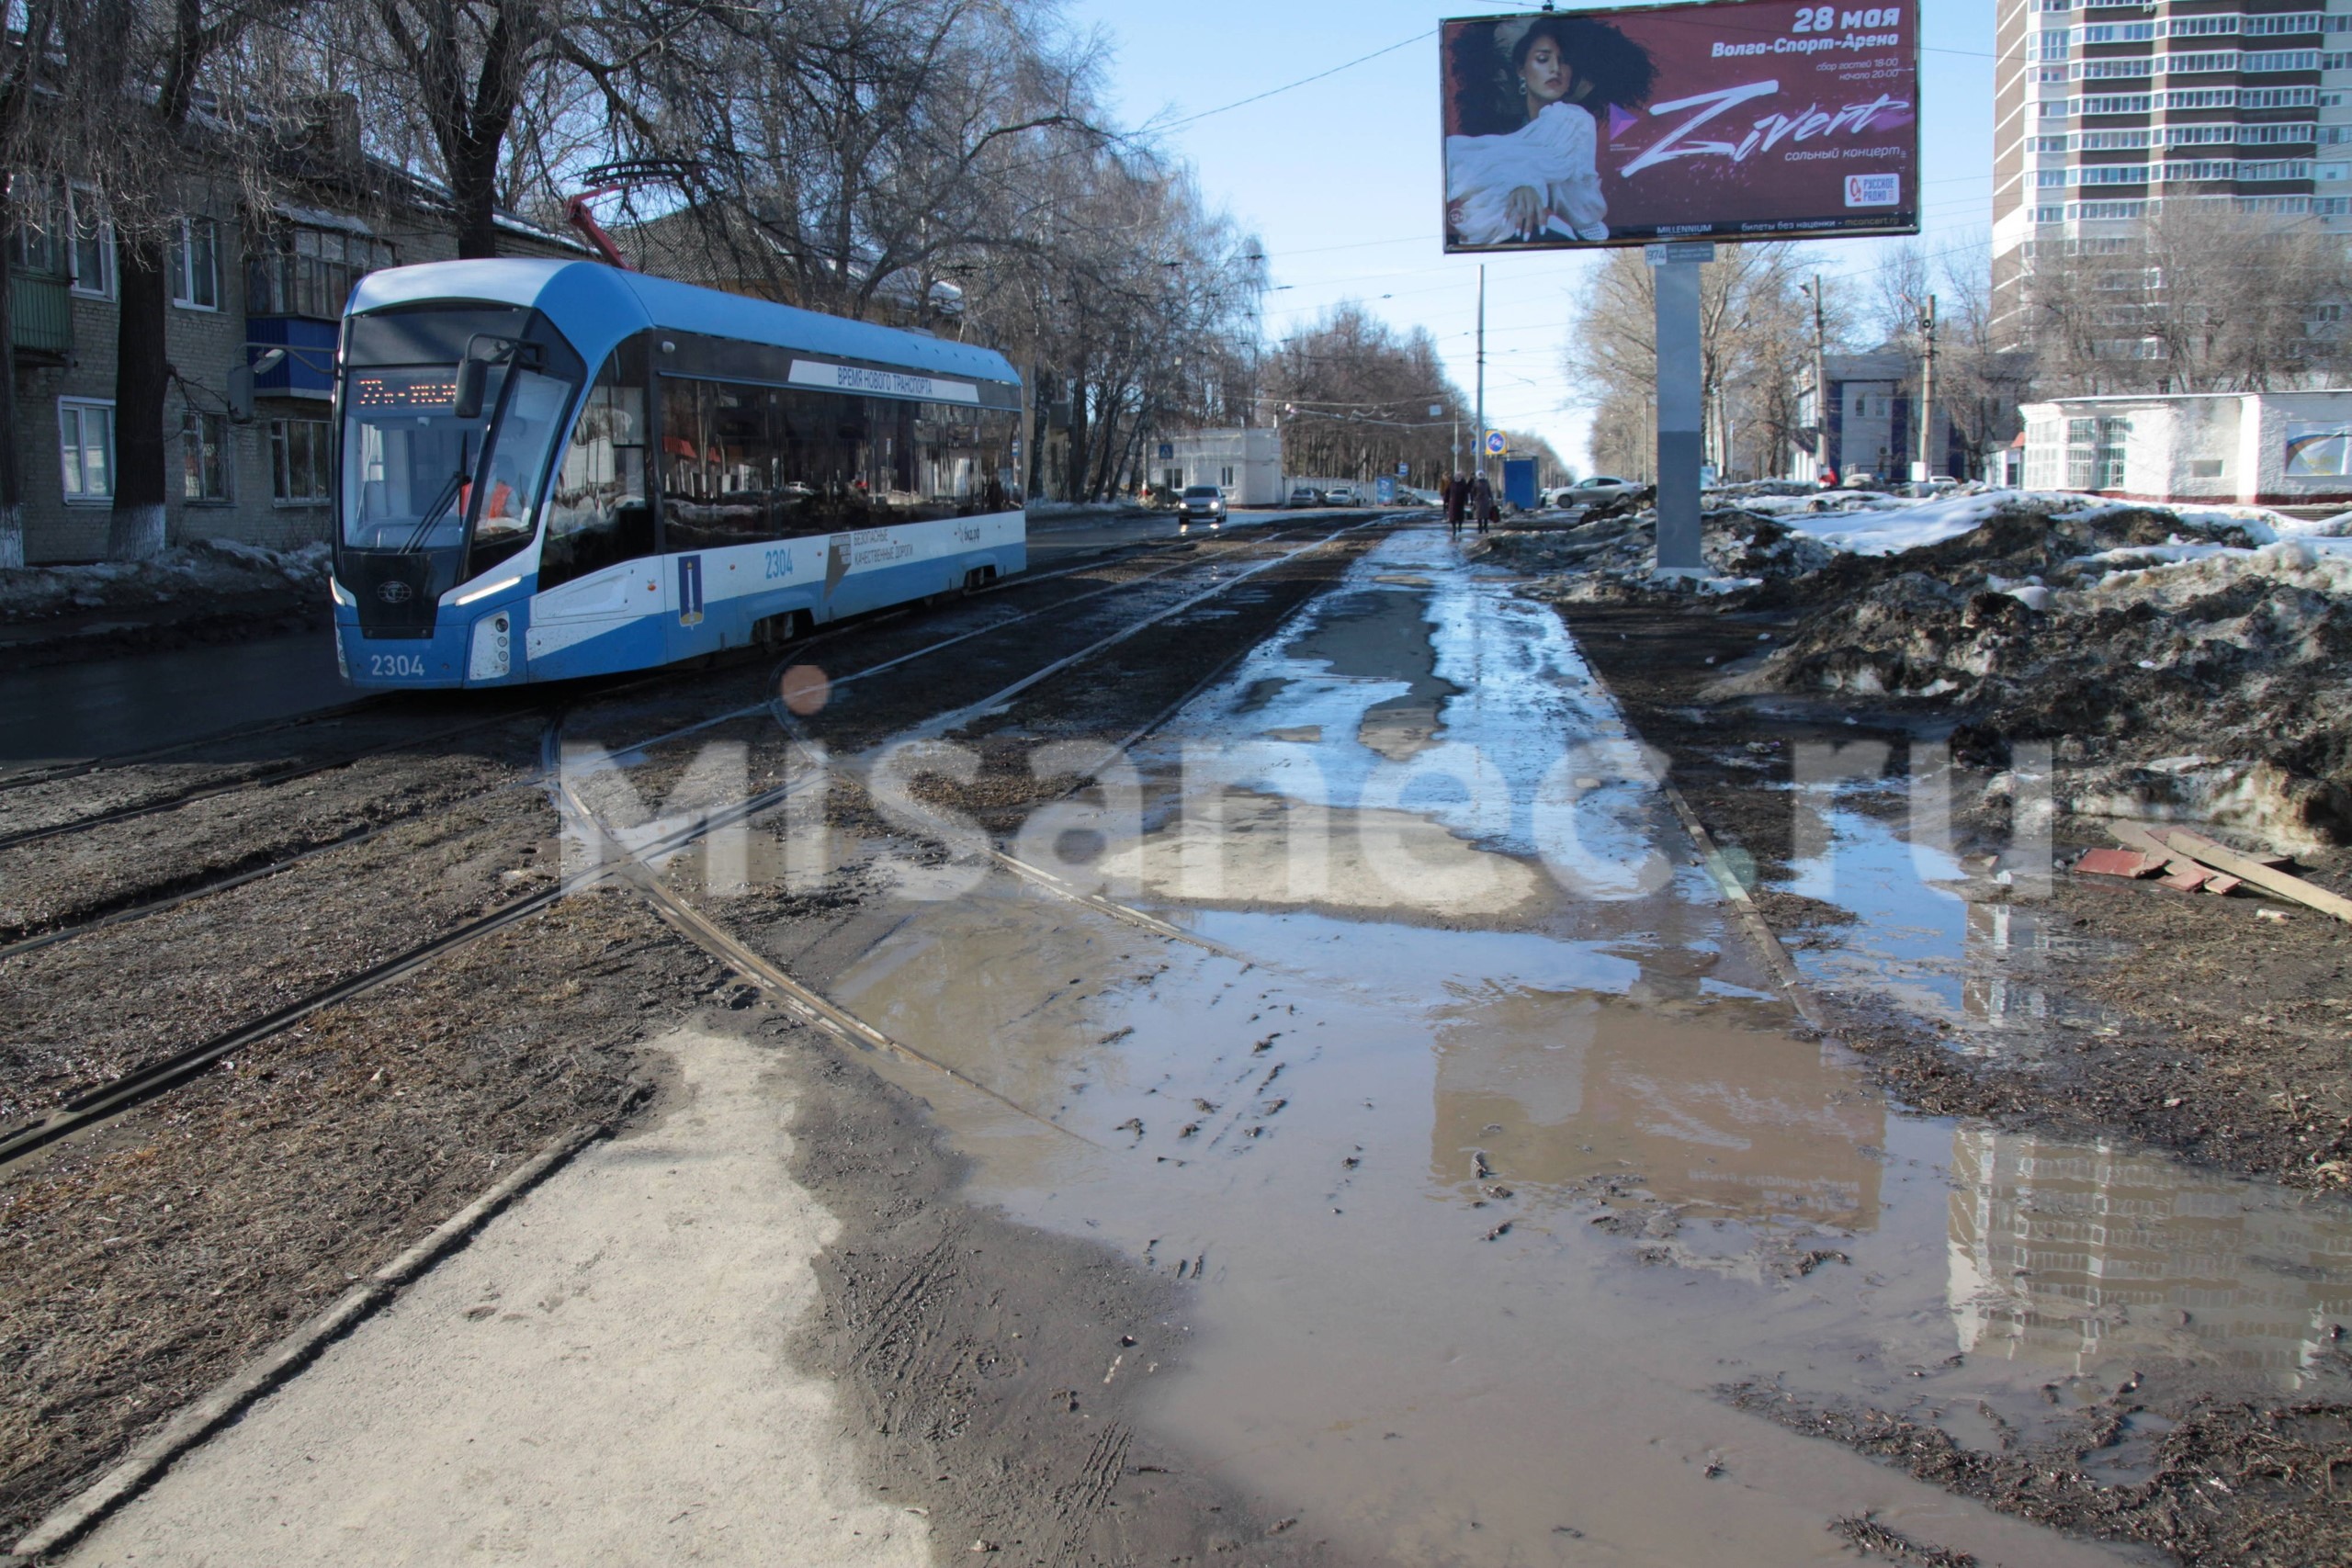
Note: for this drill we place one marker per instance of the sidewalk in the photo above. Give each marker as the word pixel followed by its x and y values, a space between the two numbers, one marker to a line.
pixel 598 1378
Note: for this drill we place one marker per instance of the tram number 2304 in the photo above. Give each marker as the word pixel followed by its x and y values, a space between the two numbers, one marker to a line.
pixel 395 664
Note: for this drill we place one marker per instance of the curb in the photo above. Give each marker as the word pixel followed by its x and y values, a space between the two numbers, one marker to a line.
pixel 1760 931
pixel 210 1412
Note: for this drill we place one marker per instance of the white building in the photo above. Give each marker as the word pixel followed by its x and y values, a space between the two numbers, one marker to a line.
pixel 2103 109
pixel 1247 464
pixel 2250 448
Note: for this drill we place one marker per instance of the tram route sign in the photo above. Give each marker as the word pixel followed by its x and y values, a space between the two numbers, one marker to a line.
pixel 1745 120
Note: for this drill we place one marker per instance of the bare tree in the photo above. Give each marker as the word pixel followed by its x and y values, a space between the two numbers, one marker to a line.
pixel 1355 395
pixel 2202 296
pixel 1755 352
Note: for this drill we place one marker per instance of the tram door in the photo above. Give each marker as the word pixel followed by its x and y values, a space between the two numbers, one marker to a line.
pixel 598 580
pixel 718 470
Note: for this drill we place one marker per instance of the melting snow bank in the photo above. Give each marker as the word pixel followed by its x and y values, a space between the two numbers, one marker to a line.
pixel 2183 662
pixel 209 569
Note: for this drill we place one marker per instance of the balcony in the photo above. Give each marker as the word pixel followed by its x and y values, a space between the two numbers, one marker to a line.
pixel 307 370
pixel 40 315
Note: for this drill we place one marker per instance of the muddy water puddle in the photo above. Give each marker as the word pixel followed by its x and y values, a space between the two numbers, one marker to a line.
pixel 1480 1193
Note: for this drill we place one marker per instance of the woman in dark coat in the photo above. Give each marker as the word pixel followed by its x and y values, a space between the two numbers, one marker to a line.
pixel 1458 501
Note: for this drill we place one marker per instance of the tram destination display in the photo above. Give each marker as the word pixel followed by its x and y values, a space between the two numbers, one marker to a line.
pixel 1732 119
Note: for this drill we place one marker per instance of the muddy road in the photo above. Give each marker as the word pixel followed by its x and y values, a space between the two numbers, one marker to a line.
pixel 1267 1071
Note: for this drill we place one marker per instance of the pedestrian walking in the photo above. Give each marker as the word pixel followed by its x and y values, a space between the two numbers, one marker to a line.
pixel 1457 501
pixel 1482 495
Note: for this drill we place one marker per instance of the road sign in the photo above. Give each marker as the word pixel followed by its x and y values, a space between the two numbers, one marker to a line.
pixel 1166 450
pixel 1384 490
pixel 1497 444
pixel 1403 471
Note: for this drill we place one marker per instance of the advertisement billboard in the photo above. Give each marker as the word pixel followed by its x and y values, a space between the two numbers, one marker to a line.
pixel 1729 119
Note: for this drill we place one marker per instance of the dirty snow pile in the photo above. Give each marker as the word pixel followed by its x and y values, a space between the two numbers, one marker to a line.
pixel 202 570
pixel 2180 662
pixel 1610 559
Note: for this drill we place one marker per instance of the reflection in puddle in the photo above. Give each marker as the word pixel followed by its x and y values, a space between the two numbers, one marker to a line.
pixel 2070 1254
pixel 1712 1118
pixel 1918 940
pixel 1473 1221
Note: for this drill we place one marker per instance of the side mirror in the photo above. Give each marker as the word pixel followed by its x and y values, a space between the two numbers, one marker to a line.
pixel 473 377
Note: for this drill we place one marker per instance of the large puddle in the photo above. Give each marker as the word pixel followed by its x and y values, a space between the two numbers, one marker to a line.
pixel 1484 1150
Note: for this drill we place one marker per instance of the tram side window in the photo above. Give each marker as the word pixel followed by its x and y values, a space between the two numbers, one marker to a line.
pixel 966 460
pixel 718 464
pixel 599 516
pixel 822 483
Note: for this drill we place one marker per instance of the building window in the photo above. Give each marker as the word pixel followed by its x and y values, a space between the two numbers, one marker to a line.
pixel 2205 467
pixel 1226 479
pixel 195 264
pixel 204 457
pixel 304 271
pixel 2094 453
pixel 297 461
pixel 2287 22
pixel 91 253
pixel 85 444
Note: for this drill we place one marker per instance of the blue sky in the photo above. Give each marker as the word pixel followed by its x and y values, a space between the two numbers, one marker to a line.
pixel 1339 177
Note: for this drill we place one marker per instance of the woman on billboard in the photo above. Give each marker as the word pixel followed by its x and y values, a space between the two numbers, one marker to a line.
pixel 1531 100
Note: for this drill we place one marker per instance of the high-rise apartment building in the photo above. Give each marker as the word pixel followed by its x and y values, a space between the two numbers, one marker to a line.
pixel 2106 106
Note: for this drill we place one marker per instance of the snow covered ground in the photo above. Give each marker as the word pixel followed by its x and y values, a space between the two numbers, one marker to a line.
pixel 201 570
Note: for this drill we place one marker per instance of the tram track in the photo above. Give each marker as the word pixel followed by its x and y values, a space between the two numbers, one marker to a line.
pixel 154 899
pixel 96 1104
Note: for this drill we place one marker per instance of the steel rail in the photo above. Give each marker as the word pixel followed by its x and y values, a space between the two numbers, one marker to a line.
pixel 89 1107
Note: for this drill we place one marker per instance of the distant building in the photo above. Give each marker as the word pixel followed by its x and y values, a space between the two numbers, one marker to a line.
pixel 1873 419
pixel 243 284
pixel 2103 110
pixel 2249 448
pixel 1247 464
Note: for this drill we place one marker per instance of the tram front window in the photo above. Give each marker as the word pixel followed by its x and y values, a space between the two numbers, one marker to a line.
pixel 408 459
pixel 417 477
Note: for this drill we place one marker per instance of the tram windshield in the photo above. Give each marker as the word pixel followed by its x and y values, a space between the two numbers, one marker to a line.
pixel 429 465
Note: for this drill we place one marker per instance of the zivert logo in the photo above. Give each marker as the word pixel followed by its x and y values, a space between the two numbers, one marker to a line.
pixel 1873 190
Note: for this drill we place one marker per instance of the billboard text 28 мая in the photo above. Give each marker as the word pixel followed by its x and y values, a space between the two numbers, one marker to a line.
pixel 1742 118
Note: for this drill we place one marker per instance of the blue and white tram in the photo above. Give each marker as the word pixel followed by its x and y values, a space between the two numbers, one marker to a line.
pixel 548 470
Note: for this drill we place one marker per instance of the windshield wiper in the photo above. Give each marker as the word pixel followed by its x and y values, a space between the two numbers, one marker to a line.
pixel 432 513
pixel 449 493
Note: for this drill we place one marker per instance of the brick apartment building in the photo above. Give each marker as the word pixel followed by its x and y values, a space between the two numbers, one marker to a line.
pixel 245 286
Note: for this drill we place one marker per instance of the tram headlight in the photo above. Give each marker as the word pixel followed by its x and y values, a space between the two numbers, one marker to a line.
pixel 491 655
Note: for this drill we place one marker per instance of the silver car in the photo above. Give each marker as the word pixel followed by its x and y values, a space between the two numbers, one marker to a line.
pixel 1200 503
pixel 1595 490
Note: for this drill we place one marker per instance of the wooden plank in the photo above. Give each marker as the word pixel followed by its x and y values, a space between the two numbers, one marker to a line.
pixel 2201 849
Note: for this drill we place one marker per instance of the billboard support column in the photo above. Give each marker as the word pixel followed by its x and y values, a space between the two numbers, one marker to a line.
pixel 1675 271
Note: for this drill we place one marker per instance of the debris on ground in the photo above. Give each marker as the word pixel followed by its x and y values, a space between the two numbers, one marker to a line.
pixel 2249 1481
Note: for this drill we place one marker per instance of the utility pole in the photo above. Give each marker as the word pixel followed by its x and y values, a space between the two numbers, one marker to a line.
pixel 1478 434
pixel 1820 383
pixel 1926 387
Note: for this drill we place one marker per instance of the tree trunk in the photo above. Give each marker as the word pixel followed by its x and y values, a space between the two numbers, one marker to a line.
pixel 135 531
pixel 12 481
pixel 473 187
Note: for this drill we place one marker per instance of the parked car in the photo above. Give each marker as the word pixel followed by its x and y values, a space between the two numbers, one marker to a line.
pixel 1305 495
pixel 1344 495
pixel 1200 503
pixel 1594 491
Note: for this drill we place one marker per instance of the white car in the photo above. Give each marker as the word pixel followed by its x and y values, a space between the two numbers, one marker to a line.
pixel 1343 496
